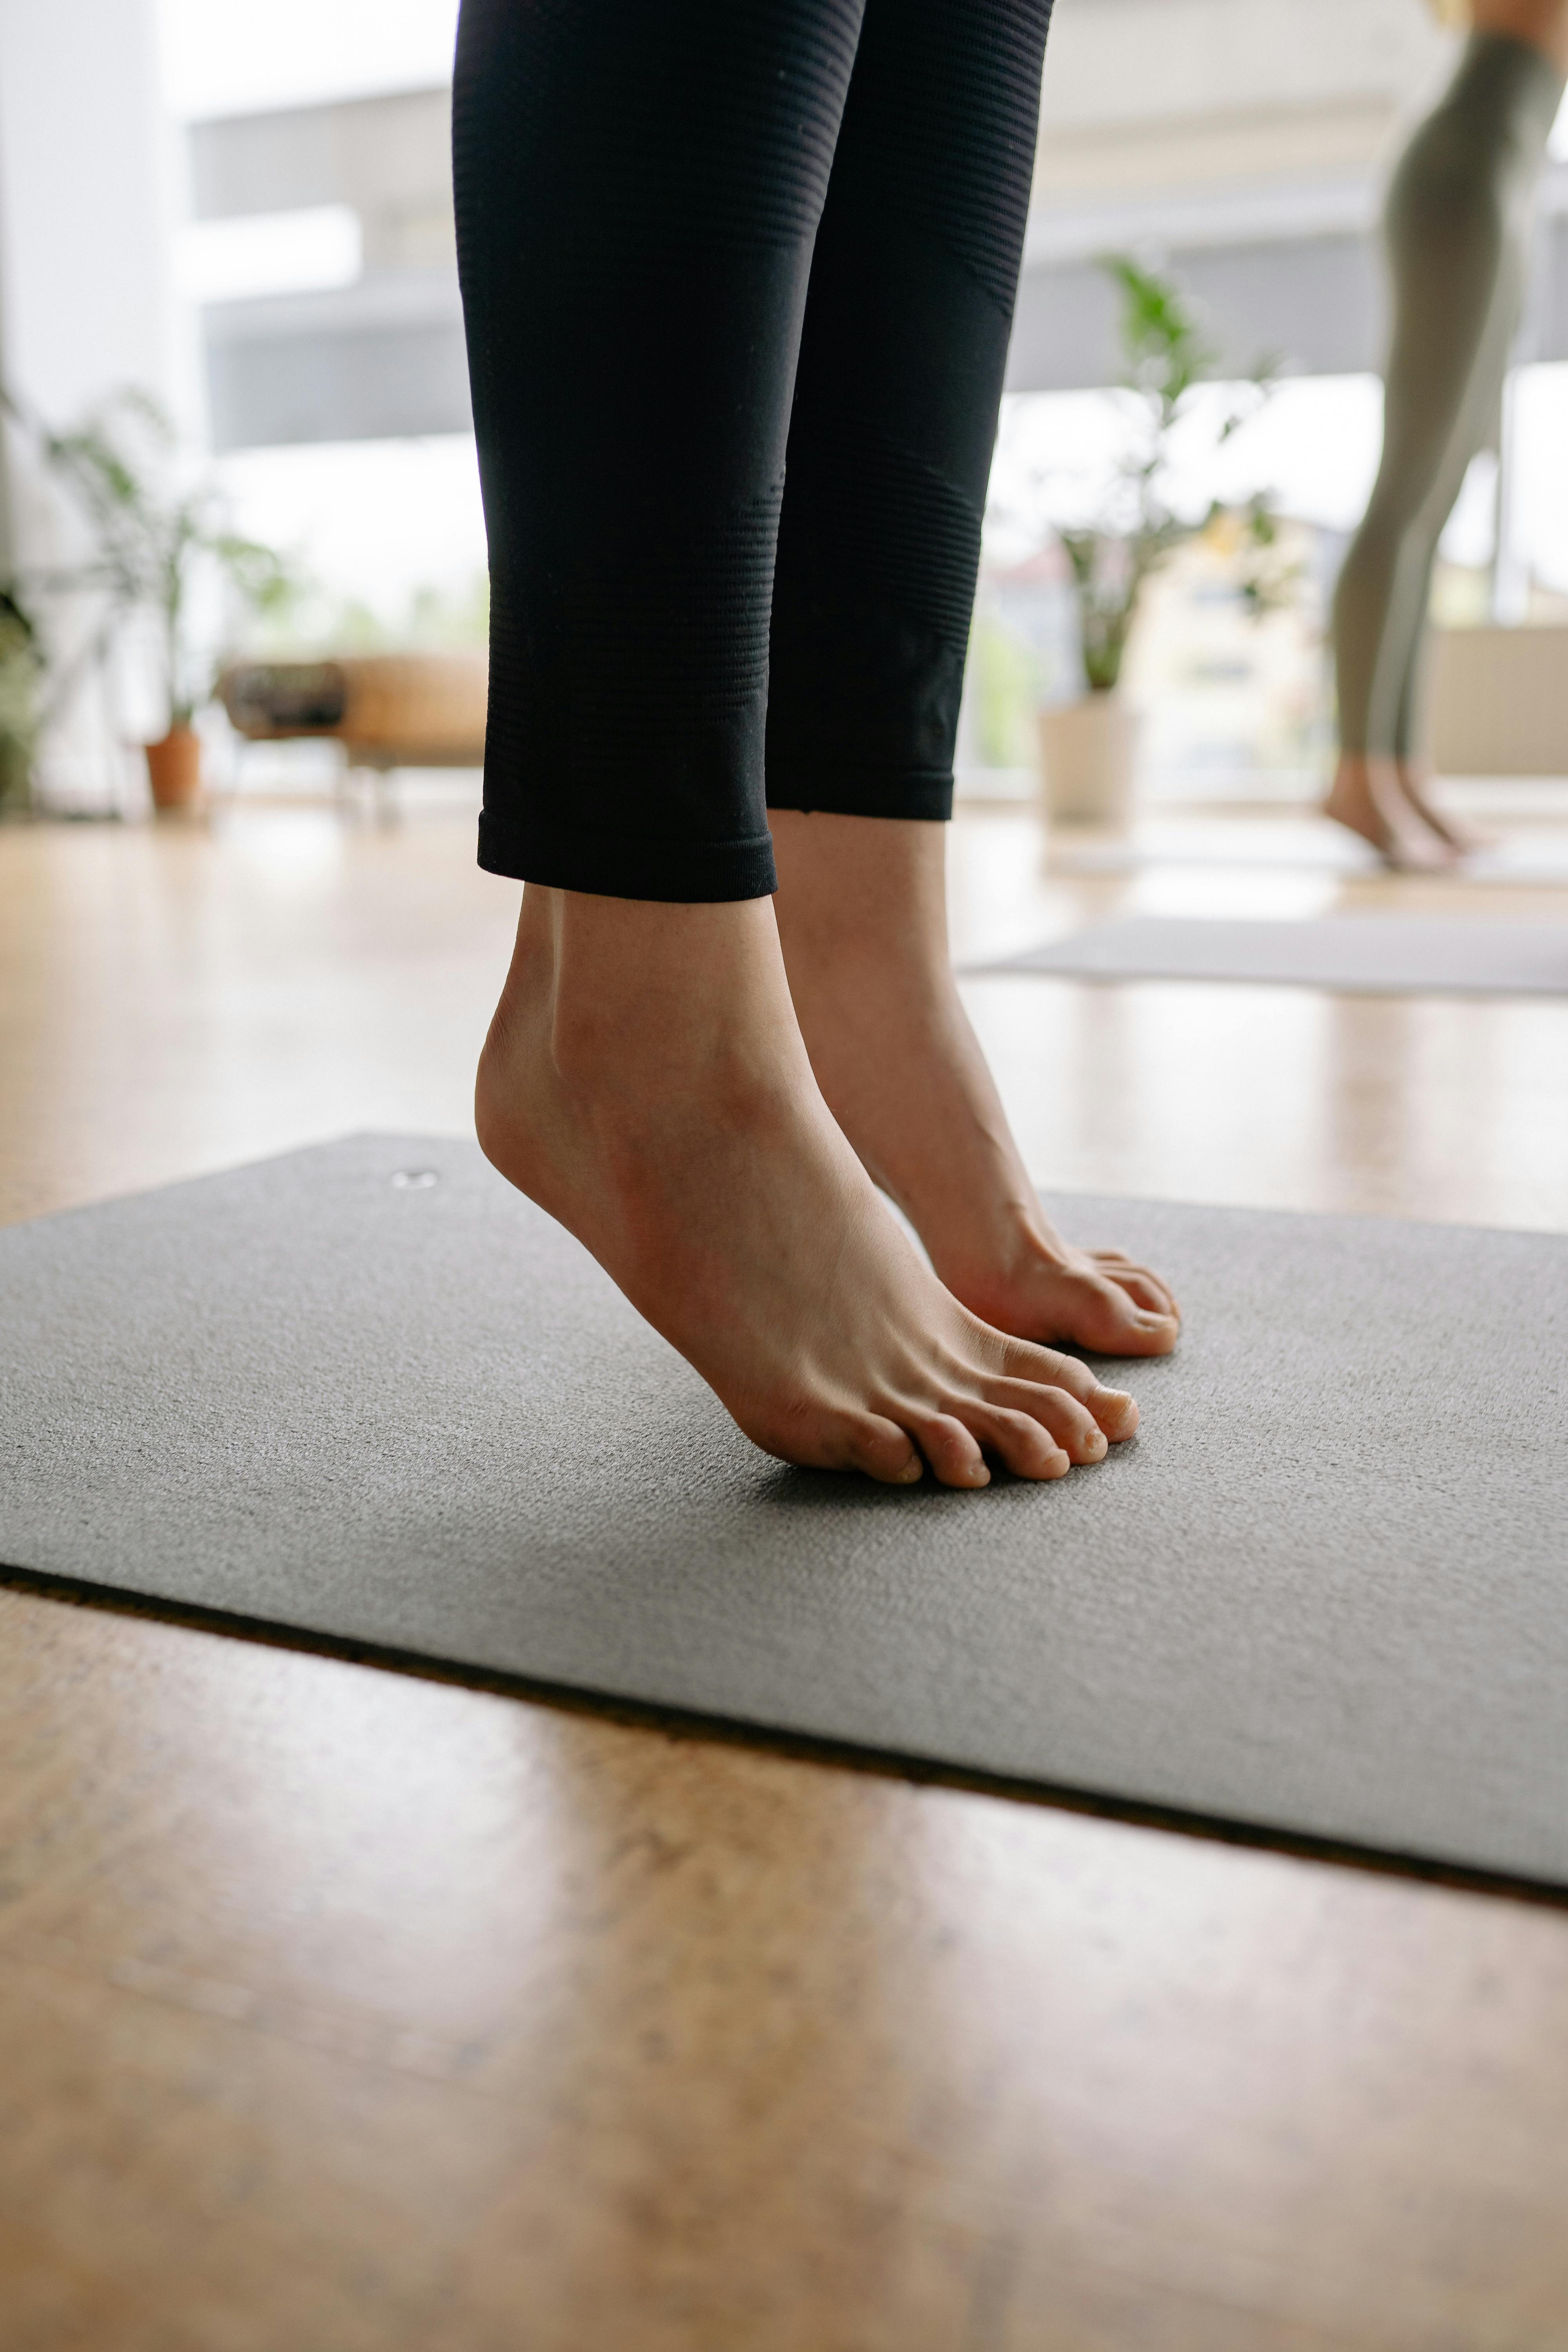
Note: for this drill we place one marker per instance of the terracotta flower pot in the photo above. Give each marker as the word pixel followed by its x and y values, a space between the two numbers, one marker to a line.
pixel 174 769
pixel 1089 759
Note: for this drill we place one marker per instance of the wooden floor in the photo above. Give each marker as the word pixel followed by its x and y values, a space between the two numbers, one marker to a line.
pixel 342 2011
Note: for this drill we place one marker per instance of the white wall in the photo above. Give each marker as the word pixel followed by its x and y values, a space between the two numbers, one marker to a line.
pixel 1247 138
pixel 1155 62
pixel 87 195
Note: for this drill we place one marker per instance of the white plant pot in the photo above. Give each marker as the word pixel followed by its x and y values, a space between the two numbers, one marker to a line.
pixel 1088 761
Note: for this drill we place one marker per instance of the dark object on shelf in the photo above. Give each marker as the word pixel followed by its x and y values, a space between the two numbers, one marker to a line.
pixel 265 699
pixel 388 710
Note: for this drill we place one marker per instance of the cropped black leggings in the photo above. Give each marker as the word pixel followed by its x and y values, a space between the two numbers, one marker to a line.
pixel 698 238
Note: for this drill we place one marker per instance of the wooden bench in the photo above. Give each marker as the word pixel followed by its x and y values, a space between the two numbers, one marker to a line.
pixel 387 710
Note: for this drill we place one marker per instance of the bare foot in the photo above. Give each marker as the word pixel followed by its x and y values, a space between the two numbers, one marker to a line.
pixel 644 1080
pixel 1368 797
pixel 863 918
pixel 1415 783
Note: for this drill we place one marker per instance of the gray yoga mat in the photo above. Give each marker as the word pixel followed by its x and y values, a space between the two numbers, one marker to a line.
pixel 367 1392
pixel 1537 857
pixel 1362 955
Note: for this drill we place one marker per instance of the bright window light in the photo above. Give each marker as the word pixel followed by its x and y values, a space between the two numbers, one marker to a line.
pixel 236 56
pixel 299 252
pixel 1313 445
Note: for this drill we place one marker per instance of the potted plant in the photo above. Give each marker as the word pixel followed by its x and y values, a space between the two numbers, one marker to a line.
pixel 1089 746
pixel 21 671
pixel 162 546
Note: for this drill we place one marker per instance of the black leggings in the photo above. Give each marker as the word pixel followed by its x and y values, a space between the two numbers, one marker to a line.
pixel 693 232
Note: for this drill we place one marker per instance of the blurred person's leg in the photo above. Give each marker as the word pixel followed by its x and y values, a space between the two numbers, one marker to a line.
pixel 899 379
pixel 1458 226
pixel 638 187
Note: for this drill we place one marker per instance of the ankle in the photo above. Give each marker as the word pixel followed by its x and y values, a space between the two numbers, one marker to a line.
pixel 1353 773
pixel 860 894
pixel 641 995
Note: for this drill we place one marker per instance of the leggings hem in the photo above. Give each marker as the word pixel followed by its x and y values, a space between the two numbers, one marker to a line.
pixel 675 873
pixel 923 793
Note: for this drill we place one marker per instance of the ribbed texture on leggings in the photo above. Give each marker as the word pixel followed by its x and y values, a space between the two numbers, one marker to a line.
pixel 941 124
pixel 902 358
pixel 592 124
pixel 690 233
pixel 656 708
pixel 871 624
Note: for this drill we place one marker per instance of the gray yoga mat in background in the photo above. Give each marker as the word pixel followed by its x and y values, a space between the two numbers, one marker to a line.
pixel 1531 858
pixel 1371 955
pixel 368 1391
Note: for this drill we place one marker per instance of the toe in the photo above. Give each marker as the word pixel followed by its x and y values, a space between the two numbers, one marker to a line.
pixel 1113 1409
pixel 1116 1412
pixel 1071 1425
pixel 1099 1314
pixel 1152 1335
pixel 1027 1360
pixel 1103 1315
pixel 1150 1289
pixel 1023 1442
pixel 951 1450
pixel 1046 1368
pixel 1087 1306
pixel 1145 1290
pixel 884 1452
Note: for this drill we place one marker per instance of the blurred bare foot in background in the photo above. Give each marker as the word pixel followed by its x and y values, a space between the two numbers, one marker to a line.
pixel 1368 797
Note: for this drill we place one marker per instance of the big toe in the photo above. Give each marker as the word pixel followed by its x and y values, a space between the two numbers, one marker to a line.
pixel 1096 1313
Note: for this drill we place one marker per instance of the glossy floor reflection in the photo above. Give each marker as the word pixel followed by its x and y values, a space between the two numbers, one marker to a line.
pixel 175 1000
pixel 343 2008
